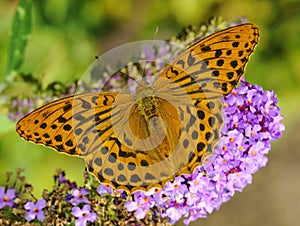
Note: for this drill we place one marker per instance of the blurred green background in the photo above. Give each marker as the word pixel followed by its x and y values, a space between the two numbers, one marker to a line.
pixel 66 35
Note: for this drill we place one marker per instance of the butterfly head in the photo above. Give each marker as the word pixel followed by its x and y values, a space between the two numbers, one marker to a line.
pixel 143 90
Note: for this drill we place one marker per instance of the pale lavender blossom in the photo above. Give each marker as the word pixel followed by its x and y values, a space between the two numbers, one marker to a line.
pixel 78 196
pixel 7 197
pixel 104 189
pixel 35 210
pixel 84 215
pixel 143 202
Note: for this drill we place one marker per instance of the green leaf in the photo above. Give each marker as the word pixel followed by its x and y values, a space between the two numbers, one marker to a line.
pixel 19 35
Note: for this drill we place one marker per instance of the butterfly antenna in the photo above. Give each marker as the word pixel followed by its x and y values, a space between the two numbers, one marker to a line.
pixel 112 70
pixel 154 39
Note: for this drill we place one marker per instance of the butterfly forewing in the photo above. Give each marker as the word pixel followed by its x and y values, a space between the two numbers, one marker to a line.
pixel 213 66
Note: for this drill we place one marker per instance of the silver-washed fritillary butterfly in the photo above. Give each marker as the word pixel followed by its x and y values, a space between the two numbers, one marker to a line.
pixel 136 142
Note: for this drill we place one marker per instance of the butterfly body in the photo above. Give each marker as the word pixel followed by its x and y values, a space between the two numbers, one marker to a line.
pixel 147 106
pixel 136 142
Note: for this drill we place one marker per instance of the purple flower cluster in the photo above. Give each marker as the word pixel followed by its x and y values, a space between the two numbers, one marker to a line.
pixel 251 122
pixel 77 200
pixel 84 214
pixel 34 210
pixel 22 106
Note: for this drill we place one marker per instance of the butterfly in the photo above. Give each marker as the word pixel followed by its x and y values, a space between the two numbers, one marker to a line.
pixel 140 141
